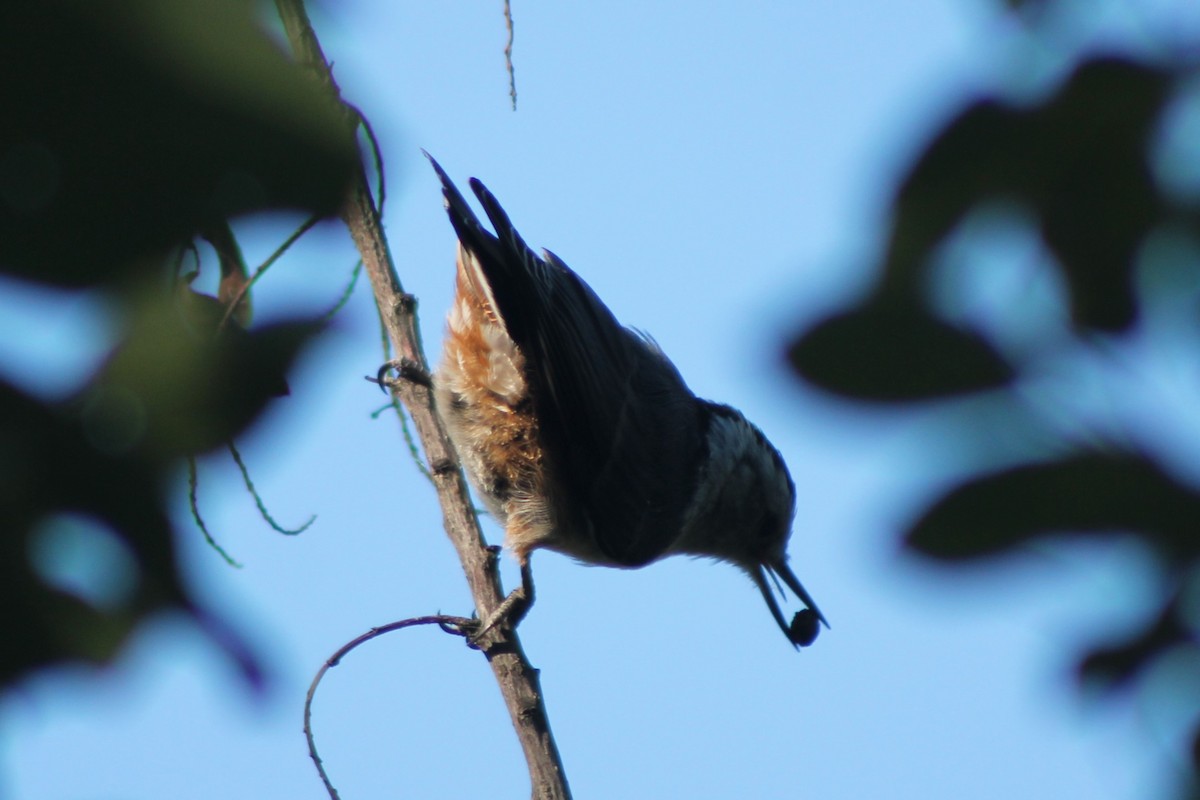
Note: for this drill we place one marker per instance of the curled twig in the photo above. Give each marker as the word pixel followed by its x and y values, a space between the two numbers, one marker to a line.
pixel 258 501
pixel 376 156
pixel 346 293
pixel 452 625
pixel 193 503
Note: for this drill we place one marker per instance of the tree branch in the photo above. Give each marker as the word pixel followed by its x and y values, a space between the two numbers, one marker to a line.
pixel 518 680
pixel 454 625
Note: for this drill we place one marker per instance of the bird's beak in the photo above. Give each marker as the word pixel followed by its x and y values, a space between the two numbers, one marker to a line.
pixel 781 571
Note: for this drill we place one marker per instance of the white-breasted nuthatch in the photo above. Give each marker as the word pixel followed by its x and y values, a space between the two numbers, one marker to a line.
pixel 581 436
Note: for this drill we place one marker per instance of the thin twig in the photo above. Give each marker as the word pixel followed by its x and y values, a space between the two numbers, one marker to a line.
pixel 193 484
pixel 376 158
pixel 395 404
pixel 258 501
pixel 413 450
pixel 452 625
pixel 279 251
pixel 508 47
pixel 410 440
pixel 345 298
pixel 231 289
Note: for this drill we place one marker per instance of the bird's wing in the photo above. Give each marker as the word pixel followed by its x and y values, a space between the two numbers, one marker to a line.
pixel 619 426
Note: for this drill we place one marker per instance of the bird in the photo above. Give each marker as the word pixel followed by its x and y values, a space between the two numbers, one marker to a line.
pixel 580 435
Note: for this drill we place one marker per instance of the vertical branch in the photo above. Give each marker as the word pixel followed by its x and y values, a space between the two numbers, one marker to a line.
pixel 518 680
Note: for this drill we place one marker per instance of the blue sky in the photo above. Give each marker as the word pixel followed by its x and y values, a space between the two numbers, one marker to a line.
pixel 720 176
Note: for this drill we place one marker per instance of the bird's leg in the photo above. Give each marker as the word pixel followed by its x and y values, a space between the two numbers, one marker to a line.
pixel 512 609
pixel 406 370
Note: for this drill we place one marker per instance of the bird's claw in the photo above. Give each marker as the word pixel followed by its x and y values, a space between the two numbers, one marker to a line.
pixel 509 613
pixel 406 369
pixel 466 628
pixel 506 616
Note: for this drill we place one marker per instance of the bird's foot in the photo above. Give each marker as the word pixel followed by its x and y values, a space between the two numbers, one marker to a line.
pixel 510 612
pixel 407 371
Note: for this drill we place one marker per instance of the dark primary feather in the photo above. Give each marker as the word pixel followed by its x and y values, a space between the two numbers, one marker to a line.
pixel 601 396
pixel 466 225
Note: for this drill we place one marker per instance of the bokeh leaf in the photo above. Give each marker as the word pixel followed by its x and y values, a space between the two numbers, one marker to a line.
pixel 1115 665
pixel 1088 492
pixel 973 159
pixel 132 124
pixel 1078 160
pixel 51 466
pixel 1094 191
pixel 896 353
pixel 174 388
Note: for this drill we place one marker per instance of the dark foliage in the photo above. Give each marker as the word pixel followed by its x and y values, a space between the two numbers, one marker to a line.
pixel 130 128
pixel 1078 161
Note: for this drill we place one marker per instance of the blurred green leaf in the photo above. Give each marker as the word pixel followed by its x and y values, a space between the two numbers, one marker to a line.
pixel 1079 160
pixel 109 456
pixel 174 388
pixel 1095 192
pixel 892 353
pixel 49 466
pixel 969 161
pixel 1077 163
pixel 1089 492
pixel 131 124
